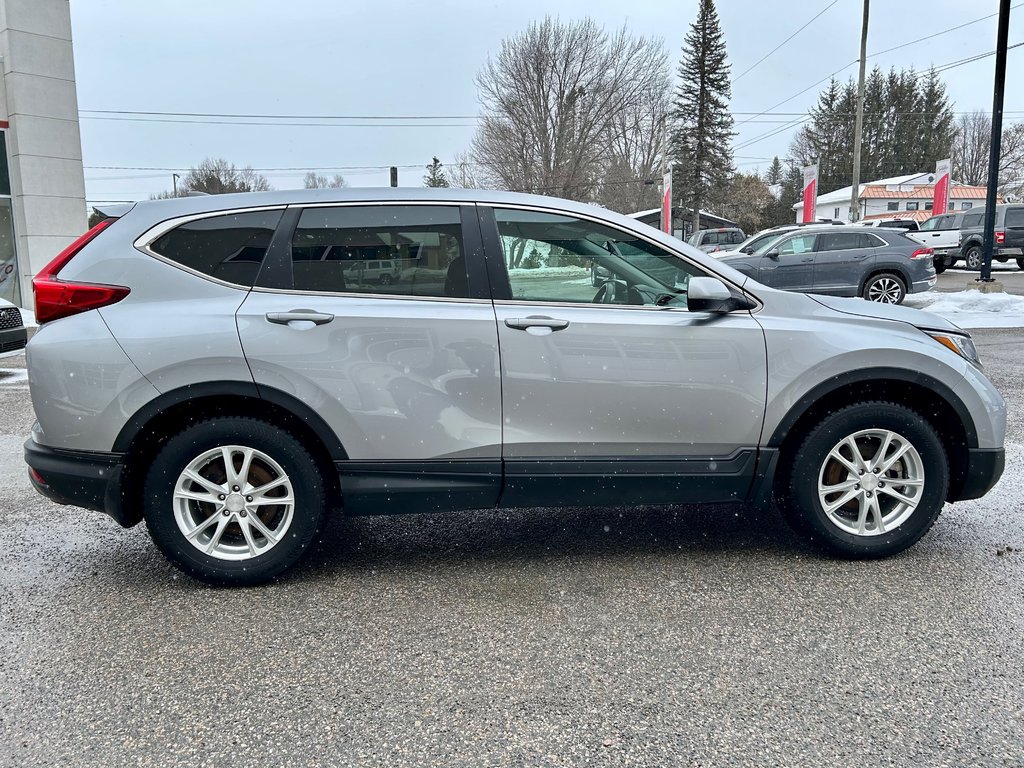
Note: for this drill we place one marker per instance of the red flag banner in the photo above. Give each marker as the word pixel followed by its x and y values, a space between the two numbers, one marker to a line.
pixel 666 203
pixel 810 193
pixel 940 197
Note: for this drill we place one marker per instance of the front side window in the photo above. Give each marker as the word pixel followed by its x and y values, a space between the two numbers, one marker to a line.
pixel 405 250
pixel 797 245
pixel 229 247
pixel 552 257
pixel 971 220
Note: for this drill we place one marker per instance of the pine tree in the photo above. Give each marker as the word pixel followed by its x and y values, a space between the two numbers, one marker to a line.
pixel 702 125
pixel 774 173
pixel 435 176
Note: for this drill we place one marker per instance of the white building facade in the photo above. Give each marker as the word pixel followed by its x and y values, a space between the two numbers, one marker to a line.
pixel 42 185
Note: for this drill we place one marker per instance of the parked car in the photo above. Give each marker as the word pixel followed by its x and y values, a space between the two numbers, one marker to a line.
pixel 378 271
pixel 755 241
pixel 942 234
pixel 909 225
pixel 1009 235
pixel 721 239
pixel 13 335
pixel 232 415
pixel 881 265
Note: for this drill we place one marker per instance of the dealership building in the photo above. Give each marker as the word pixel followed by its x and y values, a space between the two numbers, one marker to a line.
pixel 42 186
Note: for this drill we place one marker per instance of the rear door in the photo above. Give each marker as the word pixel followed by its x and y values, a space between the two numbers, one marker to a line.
pixel 840 261
pixel 616 394
pixel 405 373
pixel 792 268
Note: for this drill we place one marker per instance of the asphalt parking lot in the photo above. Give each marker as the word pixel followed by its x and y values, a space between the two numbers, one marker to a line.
pixel 652 636
pixel 960 279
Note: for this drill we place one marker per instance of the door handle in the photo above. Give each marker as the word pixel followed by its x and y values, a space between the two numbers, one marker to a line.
pixel 309 315
pixel 522 323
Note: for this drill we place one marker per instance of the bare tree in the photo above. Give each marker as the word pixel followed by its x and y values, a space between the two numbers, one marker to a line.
pixel 551 99
pixel 216 176
pixel 463 173
pixel 313 180
pixel 973 144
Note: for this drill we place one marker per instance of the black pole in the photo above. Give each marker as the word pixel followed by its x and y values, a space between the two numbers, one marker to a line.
pixel 997 135
pixel 394 176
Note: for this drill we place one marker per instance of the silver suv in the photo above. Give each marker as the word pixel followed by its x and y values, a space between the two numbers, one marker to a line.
pixel 200 365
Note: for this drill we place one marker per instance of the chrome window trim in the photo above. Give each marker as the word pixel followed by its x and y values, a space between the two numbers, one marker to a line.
pixel 380 203
pixel 144 241
pixel 597 219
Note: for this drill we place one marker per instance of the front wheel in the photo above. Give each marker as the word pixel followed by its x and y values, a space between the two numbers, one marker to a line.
pixel 869 480
pixel 233 501
pixel 886 288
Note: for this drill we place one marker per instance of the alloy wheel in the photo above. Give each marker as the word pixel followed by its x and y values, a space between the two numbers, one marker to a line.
pixel 886 290
pixel 233 502
pixel 871 482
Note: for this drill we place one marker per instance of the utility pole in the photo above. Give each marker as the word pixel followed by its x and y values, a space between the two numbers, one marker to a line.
pixel 855 189
pixel 174 183
pixel 394 176
pixel 988 237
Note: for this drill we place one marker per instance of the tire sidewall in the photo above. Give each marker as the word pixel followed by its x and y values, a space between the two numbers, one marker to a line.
pixel 802 490
pixel 972 258
pixel 180 450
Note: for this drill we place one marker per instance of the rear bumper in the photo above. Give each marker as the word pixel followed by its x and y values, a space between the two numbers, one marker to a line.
pixel 984 468
pixel 79 478
pixel 919 286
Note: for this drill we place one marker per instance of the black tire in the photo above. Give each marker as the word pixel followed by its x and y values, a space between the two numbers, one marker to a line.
pixel 973 257
pixel 886 288
pixel 293 530
pixel 386 279
pixel 802 507
pixel 1020 262
pixel 940 264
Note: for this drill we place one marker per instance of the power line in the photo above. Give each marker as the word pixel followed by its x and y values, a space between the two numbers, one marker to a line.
pixel 269 123
pixel 773 50
pixel 278 116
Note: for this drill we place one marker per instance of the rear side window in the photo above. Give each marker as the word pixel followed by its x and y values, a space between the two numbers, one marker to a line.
pixel 840 241
pixel 1014 217
pixel 229 247
pixel 404 250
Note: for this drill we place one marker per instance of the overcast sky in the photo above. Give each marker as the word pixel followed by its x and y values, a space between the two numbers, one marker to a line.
pixel 409 57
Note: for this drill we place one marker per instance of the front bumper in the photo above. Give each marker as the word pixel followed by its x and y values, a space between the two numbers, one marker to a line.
pixel 984 468
pixel 13 340
pixel 80 478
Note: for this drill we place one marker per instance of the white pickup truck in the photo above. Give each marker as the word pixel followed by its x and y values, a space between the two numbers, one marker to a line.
pixel 942 234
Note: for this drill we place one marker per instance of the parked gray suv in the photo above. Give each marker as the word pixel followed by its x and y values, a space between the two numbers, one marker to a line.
pixel 879 265
pixel 1009 235
pixel 201 365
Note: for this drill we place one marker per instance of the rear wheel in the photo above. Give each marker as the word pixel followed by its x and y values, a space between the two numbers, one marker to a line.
pixel 868 481
pixel 885 288
pixel 235 501
pixel 972 257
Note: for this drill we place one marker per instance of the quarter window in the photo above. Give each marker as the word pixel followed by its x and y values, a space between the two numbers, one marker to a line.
pixel 229 247
pixel 551 257
pixel 405 250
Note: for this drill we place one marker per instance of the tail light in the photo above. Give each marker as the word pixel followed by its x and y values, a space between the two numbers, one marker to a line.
pixel 60 298
pixel 923 253
pixel 1000 238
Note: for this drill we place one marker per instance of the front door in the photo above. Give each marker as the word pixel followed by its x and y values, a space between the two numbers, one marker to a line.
pixel 841 260
pixel 618 393
pixel 404 371
pixel 792 268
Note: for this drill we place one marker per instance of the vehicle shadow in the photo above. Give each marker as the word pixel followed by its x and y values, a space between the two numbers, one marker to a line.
pixel 518 535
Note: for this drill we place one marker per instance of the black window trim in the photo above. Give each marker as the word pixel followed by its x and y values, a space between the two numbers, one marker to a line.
pixel 820 237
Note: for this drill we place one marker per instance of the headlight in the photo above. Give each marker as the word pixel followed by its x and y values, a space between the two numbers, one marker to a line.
pixel 962 345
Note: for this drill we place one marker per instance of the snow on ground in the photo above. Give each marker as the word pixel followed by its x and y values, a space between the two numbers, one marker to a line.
pixel 972 309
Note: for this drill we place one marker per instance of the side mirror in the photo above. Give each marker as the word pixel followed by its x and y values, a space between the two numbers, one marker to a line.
pixel 747 249
pixel 708 294
pixel 773 254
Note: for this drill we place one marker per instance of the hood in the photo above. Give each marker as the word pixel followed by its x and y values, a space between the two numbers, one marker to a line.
pixel 862 308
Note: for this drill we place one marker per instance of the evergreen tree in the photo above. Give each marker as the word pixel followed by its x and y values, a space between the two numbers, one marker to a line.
pixel 702 125
pixel 435 176
pixel 774 173
pixel 908 126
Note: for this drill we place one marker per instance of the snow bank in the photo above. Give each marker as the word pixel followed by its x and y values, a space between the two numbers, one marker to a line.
pixel 972 309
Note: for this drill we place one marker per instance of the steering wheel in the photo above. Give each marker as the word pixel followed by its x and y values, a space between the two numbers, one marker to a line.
pixel 610 292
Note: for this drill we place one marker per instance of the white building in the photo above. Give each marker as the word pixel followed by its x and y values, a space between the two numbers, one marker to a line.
pixel 901 197
pixel 42 187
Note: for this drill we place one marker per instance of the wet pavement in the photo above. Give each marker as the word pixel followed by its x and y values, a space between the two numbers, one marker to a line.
pixel 652 636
